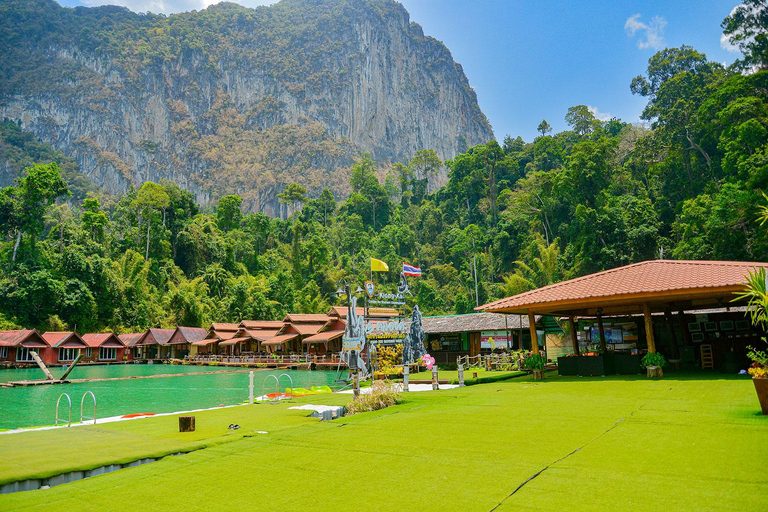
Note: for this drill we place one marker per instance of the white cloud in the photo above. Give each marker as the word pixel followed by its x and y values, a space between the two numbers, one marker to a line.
pixel 726 45
pixel 652 32
pixel 170 6
pixel 600 116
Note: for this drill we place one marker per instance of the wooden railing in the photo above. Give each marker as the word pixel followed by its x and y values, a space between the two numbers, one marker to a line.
pixel 265 359
pixel 502 361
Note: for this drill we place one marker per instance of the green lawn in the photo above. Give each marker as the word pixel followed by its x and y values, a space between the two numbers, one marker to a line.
pixel 453 376
pixel 630 443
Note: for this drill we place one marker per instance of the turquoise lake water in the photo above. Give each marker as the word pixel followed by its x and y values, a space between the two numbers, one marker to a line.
pixel 36 405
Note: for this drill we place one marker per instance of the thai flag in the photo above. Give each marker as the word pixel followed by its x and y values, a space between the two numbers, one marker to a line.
pixel 410 270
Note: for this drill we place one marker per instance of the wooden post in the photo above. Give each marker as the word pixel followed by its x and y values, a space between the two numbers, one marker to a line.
pixel 574 338
pixel 41 364
pixel 186 423
pixel 649 329
pixel 600 328
pixel 534 336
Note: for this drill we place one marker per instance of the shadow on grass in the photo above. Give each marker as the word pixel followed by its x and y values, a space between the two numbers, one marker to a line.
pixel 670 376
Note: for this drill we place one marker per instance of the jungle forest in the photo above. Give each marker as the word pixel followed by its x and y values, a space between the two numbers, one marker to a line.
pixel 685 184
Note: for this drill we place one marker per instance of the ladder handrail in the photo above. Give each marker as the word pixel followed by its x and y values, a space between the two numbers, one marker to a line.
pixel 82 401
pixel 70 409
pixel 290 380
pixel 264 385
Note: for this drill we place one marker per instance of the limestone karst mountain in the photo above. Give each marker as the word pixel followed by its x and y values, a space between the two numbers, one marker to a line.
pixel 231 99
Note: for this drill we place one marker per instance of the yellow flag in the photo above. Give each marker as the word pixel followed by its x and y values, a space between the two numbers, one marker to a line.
pixel 378 266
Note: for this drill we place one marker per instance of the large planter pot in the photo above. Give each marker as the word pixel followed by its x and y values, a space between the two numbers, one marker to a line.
pixel 627 364
pixel 567 365
pixel 538 374
pixel 761 386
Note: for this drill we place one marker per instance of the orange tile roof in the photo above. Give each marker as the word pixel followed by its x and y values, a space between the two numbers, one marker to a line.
pixel 302 318
pixel 261 324
pixel 279 340
pixel 103 339
pixel 22 338
pixel 323 337
pixel 224 327
pixel 341 312
pixel 308 329
pixel 234 341
pixel 259 334
pixel 647 280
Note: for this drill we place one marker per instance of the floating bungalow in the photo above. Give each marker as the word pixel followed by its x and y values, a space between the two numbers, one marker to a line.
pixel 15 346
pixel 153 343
pixel 104 347
pixel 63 347
pixel 182 338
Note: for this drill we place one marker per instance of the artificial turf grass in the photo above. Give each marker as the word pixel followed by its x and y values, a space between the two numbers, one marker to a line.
pixel 46 453
pixel 452 377
pixel 468 448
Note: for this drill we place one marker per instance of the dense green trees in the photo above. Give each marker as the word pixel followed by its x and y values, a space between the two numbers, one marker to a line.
pixel 514 216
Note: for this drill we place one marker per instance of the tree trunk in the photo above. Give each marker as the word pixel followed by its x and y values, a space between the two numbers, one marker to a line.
pixel 16 245
pixel 146 257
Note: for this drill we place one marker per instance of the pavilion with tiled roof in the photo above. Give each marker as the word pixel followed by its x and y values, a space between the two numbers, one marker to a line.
pixel 645 287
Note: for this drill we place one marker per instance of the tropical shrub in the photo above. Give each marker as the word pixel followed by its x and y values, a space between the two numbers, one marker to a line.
pixel 654 359
pixel 759 368
pixel 383 394
pixel 534 362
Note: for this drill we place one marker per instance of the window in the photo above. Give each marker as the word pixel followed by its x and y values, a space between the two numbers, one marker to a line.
pixel 107 353
pixel 22 354
pixel 68 354
pixel 3 352
pixel 88 352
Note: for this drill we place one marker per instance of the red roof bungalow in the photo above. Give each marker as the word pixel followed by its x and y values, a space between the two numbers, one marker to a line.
pixel 297 327
pixel 63 347
pixel 104 347
pixel 217 333
pixel 153 341
pixel 182 338
pixel 15 345
pixel 130 340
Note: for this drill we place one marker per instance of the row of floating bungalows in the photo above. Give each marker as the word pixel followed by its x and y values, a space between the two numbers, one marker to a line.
pixel 315 334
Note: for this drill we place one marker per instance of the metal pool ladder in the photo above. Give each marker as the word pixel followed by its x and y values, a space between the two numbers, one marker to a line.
pixel 82 401
pixel 69 422
pixel 277 386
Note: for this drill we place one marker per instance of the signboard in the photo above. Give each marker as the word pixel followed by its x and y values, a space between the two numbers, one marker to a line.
pixel 351 343
pixel 386 331
pixel 494 339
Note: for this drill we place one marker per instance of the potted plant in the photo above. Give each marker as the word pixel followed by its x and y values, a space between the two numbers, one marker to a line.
pixel 759 373
pixel 653 363
pixel 535 364
pixel 757 308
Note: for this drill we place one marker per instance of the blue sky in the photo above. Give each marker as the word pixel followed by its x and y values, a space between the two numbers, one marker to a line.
pixel 531 60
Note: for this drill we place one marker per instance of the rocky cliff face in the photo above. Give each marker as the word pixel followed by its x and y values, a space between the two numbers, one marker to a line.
pixel 233 100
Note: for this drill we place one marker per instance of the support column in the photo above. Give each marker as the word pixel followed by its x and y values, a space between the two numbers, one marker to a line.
pixel 534 337
pixel 600 328
pixel 649 329
pixel 574 338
